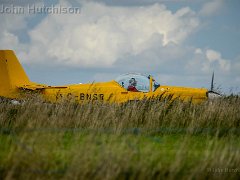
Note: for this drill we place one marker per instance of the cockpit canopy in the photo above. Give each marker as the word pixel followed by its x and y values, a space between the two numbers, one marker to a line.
pixel 142 81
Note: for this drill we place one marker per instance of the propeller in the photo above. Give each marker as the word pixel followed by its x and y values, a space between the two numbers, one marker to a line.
pixel 212 85
pixel 211 94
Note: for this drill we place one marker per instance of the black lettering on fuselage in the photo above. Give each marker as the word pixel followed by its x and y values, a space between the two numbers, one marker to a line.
pixel 69 95
pixel 95 97
pixel 101 96
pixel 82 96
pixel 59 96
pixel 91 97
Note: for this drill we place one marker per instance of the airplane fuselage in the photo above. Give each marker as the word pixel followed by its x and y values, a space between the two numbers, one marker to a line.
pixel 15 84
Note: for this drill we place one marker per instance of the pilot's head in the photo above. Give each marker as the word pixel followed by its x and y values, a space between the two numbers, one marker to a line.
pixel 132 82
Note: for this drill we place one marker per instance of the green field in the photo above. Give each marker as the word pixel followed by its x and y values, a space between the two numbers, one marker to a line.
pixel 137 140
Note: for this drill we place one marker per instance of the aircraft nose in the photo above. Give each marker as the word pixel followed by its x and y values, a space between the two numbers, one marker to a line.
pixel 213 95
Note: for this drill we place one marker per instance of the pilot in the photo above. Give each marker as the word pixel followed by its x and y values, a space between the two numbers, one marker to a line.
pixel 132 85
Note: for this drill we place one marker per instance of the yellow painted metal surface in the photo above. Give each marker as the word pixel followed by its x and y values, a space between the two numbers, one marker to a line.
pixel 11 74
pixel 14 82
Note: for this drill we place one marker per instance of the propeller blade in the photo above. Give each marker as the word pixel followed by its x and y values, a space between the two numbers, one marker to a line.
pixel 212 86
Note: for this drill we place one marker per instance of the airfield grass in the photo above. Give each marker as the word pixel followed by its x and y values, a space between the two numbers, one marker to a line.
pixel 136 140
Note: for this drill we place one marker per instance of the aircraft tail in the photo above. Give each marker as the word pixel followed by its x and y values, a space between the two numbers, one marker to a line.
pixel 11 74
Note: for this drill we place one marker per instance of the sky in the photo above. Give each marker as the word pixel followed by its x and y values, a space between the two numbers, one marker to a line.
pixel 179 42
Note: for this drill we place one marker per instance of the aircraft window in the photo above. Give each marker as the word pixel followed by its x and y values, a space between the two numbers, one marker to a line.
pixel 142 81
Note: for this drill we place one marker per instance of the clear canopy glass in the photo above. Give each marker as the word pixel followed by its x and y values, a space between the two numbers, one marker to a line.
pixel 143 82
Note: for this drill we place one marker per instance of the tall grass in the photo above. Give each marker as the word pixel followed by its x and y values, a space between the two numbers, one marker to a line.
pixel 145 140
pixel 152 116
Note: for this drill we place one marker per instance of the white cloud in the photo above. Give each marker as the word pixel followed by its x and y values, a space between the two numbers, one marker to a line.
pixel 11 25
pixel 214 56
pixel 101 34
pixel 208 60
pixel 198 51
pixel 12 22
pixel 212 7
pixel 8 39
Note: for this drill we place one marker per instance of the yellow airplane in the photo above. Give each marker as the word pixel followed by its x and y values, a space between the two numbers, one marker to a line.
pixel 14 83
